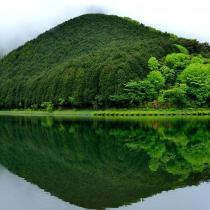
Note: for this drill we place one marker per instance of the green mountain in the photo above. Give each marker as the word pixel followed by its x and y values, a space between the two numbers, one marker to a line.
pixel 82 60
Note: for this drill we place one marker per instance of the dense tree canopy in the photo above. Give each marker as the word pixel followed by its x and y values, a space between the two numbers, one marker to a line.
pixel 177 80
pixel 93 61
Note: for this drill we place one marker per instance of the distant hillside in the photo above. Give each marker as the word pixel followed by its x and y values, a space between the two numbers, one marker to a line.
pixel 89 57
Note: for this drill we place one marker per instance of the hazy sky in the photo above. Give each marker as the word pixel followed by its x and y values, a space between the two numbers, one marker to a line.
pixel 22 20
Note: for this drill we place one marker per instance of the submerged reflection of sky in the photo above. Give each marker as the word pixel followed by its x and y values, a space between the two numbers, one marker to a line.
pixel 18 194
pixel 188 198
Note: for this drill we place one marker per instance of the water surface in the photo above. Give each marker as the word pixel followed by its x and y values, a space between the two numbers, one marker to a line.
pixel 60 164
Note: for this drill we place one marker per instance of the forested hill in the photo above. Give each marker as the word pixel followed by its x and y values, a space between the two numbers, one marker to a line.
pixel 83 61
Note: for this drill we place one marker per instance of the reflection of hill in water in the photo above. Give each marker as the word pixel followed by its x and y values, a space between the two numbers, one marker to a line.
pixel 105 164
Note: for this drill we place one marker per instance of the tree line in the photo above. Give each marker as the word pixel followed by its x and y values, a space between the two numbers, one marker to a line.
pixel 179 80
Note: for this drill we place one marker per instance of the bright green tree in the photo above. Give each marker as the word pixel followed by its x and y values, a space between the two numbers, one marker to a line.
pixel 177 61
pixel 197 59
pixel 153 64
pixel 197 78
pixel 156 79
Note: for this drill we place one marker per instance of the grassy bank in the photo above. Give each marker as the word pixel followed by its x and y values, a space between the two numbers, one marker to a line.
pixel 110 113
pixel 153 112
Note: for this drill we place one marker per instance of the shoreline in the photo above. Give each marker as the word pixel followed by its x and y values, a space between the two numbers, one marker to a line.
pixel 122 113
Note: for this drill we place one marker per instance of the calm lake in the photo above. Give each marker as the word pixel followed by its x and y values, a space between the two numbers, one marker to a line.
pixel 60 164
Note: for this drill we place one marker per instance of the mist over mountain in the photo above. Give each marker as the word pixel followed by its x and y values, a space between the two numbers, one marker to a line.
pixel 23 20
pixel 17 30
pixel 1 54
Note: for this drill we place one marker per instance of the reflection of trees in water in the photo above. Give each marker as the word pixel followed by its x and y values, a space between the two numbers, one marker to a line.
pixel 180 149
pixel 98 164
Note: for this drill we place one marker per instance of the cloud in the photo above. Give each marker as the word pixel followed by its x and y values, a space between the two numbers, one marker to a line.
pixel 22 20
pixel 95 9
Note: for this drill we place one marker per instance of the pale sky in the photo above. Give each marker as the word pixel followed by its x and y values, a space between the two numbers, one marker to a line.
pixel 22 20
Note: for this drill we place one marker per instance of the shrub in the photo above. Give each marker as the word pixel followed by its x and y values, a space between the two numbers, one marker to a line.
pixel 175 97
pixel 47 106
pixel 120 100
pixel 61 101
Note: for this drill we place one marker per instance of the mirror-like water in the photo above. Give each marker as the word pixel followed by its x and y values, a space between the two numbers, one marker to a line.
pixel 59 164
